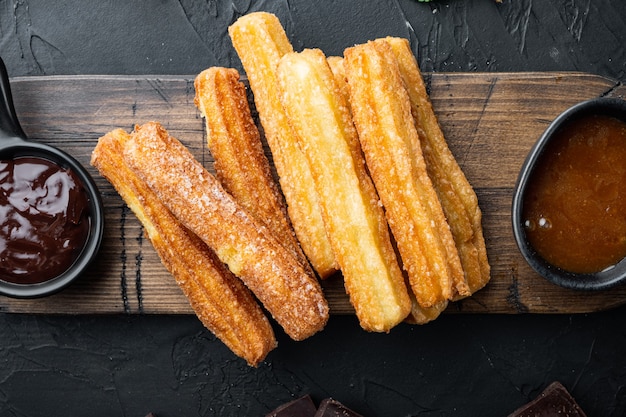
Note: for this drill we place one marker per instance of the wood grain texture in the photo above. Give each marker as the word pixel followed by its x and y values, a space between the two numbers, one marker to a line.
pixel 490 120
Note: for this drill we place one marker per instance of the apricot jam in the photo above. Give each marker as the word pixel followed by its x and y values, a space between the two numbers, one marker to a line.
pixel 575 206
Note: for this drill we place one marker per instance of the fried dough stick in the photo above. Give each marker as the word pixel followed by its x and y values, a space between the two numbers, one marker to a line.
pixel 419 314
pixel 240 164
pixel 260 42
pixel 195 197
pixel 356 225
pixel 382 115
pixel 457 196
pixel 219 299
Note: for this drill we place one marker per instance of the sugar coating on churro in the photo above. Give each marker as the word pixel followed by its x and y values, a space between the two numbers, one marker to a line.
pixel 219 299
pixel 319 113
pixel 195 197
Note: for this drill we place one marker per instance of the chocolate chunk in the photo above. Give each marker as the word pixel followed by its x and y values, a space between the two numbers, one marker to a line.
pixel 555 400
pixel 301 407
pixel 333 408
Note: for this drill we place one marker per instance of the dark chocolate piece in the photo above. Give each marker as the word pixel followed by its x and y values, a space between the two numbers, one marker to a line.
pixel 301 407
pixel 333 408
pixel 555 400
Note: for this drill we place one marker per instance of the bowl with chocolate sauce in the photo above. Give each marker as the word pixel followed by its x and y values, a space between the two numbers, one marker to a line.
pixel 569 203
pixel 51 214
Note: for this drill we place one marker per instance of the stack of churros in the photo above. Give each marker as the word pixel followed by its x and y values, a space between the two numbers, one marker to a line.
pixel 428 203
pixel 220 300
pixel 198 209
pixel 369 187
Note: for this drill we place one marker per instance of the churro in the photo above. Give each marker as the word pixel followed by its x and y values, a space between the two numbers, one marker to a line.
pixel 418 314
pixel 319 114
pixel 457 196
pixel 219 299
pixel 382 114
pixel 292 296
pixel 260 42
pixel 235 143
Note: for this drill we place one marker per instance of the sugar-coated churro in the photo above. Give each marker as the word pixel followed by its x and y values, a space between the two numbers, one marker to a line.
pixel 219 299
pixel 195 197
pixel 457 196
pixel 260 42
pixel 354 219
pixel 235 143
pixel 382 114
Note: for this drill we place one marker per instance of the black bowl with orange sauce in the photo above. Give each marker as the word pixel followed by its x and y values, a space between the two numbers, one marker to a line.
pixel 569 203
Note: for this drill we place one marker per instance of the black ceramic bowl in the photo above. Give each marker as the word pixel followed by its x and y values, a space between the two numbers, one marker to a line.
pixel 13 144
pixel 604 279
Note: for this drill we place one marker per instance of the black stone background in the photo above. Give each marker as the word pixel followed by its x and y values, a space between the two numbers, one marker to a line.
pixel 475 365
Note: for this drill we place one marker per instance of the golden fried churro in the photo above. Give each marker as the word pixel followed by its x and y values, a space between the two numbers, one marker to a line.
pixel 382 115
pixel 260 42
pixel 240 164
pixel 354 219
pixel 418 314
pixel 293 296
pixel 219 299
pixel 457 196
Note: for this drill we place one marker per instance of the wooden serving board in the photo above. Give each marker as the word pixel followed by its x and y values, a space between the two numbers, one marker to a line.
pixel 491 120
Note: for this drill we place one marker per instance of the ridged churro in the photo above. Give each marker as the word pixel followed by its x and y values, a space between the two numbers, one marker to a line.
pixel 240 164
pixel 382 114
pixel 260 42
pixel 418 314
pixel 292 296
pixel 457 196
pixel 219 299
pixel 354 219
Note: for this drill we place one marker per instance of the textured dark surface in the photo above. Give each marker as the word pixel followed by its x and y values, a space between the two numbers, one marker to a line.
pixel 300 407
pixel 457 366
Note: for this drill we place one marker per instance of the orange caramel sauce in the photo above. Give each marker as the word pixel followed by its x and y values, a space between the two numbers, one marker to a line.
pixel 575 204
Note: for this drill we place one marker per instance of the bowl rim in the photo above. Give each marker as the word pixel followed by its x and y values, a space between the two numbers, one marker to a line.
pixel 601 280
pixel 24 148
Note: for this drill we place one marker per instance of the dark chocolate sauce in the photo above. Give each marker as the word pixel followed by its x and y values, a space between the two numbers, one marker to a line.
pixel 44 219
